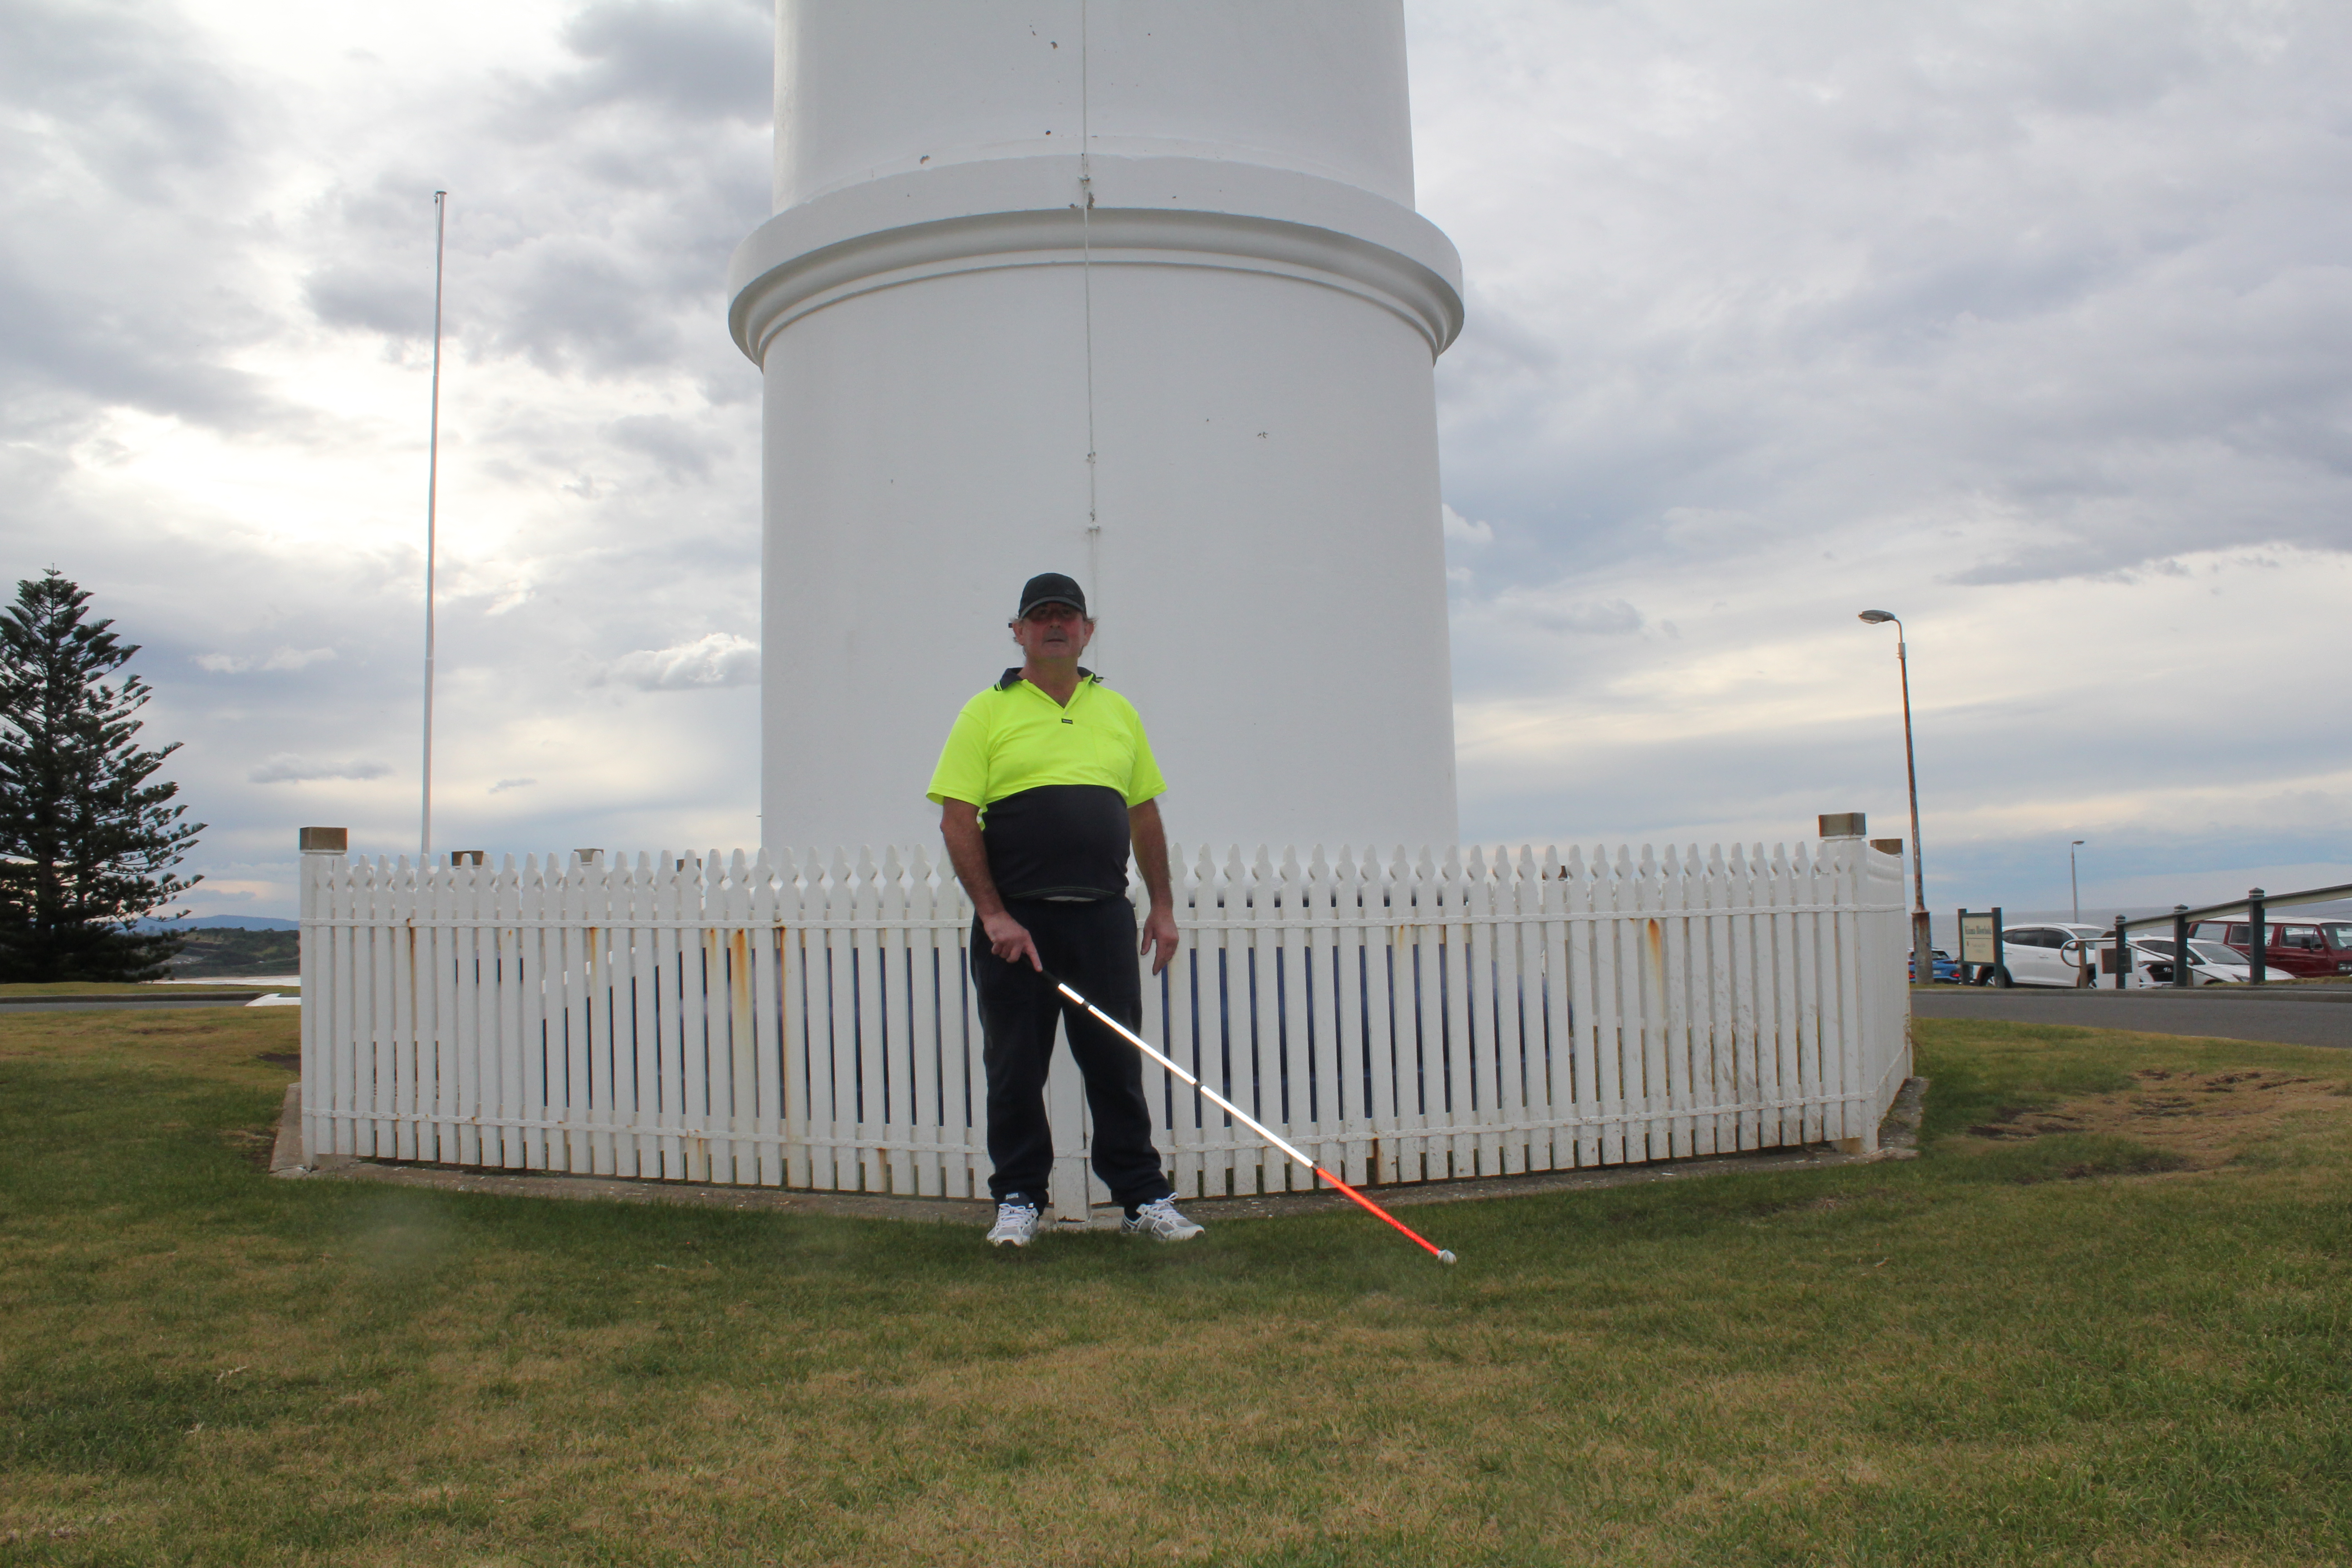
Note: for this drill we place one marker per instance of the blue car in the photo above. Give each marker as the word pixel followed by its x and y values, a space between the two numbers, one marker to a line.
pixel 1948 973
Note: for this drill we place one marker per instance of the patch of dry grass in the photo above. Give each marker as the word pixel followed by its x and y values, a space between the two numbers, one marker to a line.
pixel 2197 1120
pixel 1963 1359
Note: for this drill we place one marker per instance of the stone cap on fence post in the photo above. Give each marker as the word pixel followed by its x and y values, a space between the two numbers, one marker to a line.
pixel 1844 824
pixel 326 841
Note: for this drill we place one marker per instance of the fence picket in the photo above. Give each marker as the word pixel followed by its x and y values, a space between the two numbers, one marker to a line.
pixel 892 973
pixel 733 1043
pixel 399 942
pixel 1476 963
pixel 342 1000
pixel 375 965
pixel 1518 1010
pixel 971 1110
pixel 1176 1102
pixel 1220 895
pixel 1845 955
pixel 1369 980
pixel 1262 1062
pixel 1739 960
pixel 1350 1070
pixel 796 893
pixel 918 943
pixel 1555 1106
pixel 1292 1096
pixel 1682 1064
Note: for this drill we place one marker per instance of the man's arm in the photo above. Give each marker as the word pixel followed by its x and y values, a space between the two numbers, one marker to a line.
pixel 1007 938
pixel 1150 837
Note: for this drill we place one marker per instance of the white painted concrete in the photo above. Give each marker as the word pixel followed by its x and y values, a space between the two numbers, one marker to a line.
pixel 1265 311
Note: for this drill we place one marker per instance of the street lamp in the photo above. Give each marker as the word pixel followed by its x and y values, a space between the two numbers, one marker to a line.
pixel 1922 928
pixel 2072 885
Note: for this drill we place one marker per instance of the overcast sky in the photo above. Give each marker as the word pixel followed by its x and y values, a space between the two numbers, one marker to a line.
pixel 2030 323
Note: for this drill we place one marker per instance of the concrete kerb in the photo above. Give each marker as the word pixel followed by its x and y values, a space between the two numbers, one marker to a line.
pixel 1898 1138
pixel 2273 991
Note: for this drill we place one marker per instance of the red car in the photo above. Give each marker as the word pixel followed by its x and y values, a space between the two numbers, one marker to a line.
pixel 2300 948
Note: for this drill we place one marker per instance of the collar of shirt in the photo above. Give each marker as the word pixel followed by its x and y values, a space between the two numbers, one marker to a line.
pixel 1012 678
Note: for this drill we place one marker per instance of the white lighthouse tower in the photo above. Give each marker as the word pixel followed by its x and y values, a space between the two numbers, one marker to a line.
pixel 1132 289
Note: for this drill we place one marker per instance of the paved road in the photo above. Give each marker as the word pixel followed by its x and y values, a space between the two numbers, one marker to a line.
pixel 112 1004
pixel 2309 1019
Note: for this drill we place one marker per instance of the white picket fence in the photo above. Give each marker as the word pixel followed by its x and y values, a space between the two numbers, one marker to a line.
pixel 805 1022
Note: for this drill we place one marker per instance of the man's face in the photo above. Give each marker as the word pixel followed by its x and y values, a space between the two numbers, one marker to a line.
pixel 1053 631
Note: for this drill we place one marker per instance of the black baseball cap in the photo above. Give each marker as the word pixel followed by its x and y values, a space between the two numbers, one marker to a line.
pixel 1051 588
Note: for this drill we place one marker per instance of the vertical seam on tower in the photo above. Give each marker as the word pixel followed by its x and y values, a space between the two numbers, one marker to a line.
pixel 1086 289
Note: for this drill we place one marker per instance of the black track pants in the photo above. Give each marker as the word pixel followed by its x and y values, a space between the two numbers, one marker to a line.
pixel 1092 946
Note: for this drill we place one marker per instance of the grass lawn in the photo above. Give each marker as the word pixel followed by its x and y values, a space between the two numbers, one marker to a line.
pixel 2102 1319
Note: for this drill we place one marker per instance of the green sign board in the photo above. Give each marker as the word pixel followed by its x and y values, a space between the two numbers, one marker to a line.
pixel 1980 937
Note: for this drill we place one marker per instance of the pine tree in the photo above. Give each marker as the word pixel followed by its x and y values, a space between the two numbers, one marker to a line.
pixel 87 837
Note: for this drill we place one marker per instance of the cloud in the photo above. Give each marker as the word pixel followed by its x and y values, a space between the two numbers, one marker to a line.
pixel 134 87
pixel 1582 617
pixel 694 60
pixel 721 659
pixel 126 140
pixel 284 658
pixel 371 295
pixel 1901 263
pixel 505 784
pixel 682 451
pixel 1460 529
pixel 285 767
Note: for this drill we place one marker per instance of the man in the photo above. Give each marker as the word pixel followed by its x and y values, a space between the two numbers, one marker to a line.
pixel 1045 780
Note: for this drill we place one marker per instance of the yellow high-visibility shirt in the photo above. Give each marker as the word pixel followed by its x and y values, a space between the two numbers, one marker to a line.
pixel 1054 784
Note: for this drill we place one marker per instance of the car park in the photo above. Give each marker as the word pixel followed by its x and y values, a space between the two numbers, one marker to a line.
pixel 2306 948
pixel 2048 954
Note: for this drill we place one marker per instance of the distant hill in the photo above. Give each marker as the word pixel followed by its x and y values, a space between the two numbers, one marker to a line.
pixel 224 922
pixel 225 951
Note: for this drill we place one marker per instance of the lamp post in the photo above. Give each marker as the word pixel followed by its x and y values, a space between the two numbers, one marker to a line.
pixel 1922 928
pixel 2074 888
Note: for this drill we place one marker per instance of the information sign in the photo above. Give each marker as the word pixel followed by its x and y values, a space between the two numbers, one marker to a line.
pixel 1980 937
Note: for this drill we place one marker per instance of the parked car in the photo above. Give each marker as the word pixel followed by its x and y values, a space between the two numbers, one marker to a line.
pixel 2152 962
pixel 2300 948
pixel 2210 963
pixel 2040 955
pixel 1947 972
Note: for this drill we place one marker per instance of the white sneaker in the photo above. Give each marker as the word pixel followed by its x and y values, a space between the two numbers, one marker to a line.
pixel 1160 1219
pixel 1016 1223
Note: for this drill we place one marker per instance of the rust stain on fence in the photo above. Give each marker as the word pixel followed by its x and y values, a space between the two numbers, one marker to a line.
pixel 1654 937
pixel 739 982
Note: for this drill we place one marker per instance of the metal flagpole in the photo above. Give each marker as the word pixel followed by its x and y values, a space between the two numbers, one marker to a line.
pixel 1253 1123
pixel 432 498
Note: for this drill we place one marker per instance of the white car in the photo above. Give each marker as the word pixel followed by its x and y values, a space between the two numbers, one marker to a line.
pixel 2046 954
pixel 2210 963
